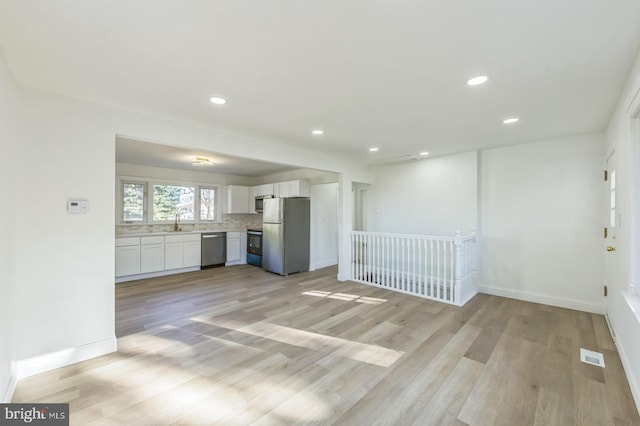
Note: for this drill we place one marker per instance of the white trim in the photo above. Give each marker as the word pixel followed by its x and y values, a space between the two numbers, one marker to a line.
pixel 344 276
pixel 628 369
pixel 471 295
pixel 11 386
pixel 561 302
pixel 323 264
pixel 156 274
pixel 633 300
pixel 39 364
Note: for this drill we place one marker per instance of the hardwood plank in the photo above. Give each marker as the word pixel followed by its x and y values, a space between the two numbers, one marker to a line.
pixel 237 345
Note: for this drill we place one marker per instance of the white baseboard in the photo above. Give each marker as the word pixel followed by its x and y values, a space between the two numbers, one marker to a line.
pixel 6 397
pixel 469 297
pixel 576 304
pixel 39 364
pixel 158 274
pixel 633 384
pixel 323 264
pixel 344 276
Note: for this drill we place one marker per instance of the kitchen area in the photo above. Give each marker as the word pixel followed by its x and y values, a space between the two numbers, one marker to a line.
pixel 261 221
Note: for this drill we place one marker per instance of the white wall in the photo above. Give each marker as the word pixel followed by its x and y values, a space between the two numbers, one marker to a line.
pixel 7 226
pixel 65 263
pixel 324 225
pixel 436 196
pixel 541 222
pixel 621 139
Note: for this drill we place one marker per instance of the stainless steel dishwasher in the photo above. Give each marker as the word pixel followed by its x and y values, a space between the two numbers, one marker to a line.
pixel 214 249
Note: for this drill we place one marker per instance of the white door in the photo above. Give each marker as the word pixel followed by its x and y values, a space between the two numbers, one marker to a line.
pixel 613 223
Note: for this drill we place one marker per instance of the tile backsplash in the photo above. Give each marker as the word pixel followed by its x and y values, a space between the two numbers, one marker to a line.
pixel 229 221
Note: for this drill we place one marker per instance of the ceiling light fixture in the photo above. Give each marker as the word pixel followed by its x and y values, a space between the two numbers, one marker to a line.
pixel 218 100
pixel 374 149
pixel 424 153
pixel 477 80
pixel 202 161
pixel 511 120
pixel 317 132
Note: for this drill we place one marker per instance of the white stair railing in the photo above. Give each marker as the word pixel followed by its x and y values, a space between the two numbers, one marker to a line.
pixel 433 267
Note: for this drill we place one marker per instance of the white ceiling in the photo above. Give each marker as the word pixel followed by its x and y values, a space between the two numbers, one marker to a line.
pixel 385 73
pixel 149 154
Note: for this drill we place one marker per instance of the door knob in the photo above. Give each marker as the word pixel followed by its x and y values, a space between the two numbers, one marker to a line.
pixel 609 248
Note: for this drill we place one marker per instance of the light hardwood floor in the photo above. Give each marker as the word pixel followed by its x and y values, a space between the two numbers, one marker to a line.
pixel 237 345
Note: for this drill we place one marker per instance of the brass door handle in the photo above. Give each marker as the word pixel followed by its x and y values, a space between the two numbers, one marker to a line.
pixel 609 248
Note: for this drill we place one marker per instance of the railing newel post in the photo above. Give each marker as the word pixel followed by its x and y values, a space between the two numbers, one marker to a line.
pixel 458 269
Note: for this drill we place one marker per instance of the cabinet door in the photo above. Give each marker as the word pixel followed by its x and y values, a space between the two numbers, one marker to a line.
pixel 266 189
pixel 127 260
pixel 233 247
pixel 278 190
pixel 173 255
pixel 192 253
pixel 151 258
pixel 237 199
pixel 253 192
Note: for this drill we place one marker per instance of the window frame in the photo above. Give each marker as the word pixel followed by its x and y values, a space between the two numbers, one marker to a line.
pixel 120 200
pixel 148 200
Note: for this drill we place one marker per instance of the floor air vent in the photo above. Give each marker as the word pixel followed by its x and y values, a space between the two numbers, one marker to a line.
pixel 591 357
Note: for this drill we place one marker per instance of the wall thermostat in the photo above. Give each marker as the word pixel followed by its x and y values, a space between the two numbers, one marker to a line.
pixel 77 206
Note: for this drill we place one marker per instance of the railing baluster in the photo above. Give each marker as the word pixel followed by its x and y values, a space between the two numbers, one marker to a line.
pixel 439 268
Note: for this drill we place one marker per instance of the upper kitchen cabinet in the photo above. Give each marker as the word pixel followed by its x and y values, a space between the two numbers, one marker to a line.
pixel 292 188
pixel 265 189
pixel 237 199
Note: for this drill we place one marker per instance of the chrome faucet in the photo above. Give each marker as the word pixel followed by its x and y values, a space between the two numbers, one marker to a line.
pixel 175 224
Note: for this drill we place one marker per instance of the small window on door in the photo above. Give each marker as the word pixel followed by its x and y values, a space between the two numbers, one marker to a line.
pixel 613 199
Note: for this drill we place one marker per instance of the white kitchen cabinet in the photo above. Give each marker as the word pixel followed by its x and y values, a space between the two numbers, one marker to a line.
pixel 236 248
pixel 265 189
pixel 292 188
pixel 237 199
pixel 192 250
pixel 127 256
pixel 151 254
pixel 253 192
pixel 173 252
pixel 156 255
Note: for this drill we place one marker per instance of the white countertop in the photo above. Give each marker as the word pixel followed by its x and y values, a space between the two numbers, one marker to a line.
pixel 152 234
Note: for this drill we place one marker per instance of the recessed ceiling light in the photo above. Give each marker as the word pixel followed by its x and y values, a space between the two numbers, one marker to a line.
pixel 424 153
pixel 218 100
pixel 374 149
pixel 477 80
pixel 317 132
pixel 511 120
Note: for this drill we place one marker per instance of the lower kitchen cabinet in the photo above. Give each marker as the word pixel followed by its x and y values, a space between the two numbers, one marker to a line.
pixel 155 255
pixel 174 255
pixel 151 254
pixel 236 248
pixel 127 256
pixel 192 250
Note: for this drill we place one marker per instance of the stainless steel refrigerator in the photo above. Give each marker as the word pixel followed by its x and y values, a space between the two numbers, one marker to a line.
pixel 285 235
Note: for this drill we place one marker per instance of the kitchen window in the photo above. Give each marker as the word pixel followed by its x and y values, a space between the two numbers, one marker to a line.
pixel 170 201
pixel 133 200
pixel 208 204
pixel 160 202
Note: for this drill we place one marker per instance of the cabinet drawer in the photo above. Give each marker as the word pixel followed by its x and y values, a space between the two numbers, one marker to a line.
pixel 128 241
pixel 173 238
pixel 158 239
